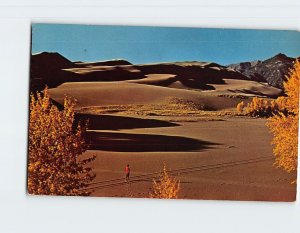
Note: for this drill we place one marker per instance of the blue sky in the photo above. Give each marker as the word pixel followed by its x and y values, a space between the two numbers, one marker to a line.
pixel 162 44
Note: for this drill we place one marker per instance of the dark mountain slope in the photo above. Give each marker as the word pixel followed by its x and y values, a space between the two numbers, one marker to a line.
pixel 272 70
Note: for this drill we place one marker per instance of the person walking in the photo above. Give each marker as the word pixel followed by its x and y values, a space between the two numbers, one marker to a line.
pixel 127 173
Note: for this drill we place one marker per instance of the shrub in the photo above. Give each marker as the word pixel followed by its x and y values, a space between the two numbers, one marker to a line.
pixel 55 165
pixel 166 186
pixel 262 107
pixel 284 126
pixel 285 131
pixel 240 107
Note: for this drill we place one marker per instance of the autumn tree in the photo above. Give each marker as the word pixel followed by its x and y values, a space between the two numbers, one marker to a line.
pixel 284 126
pixel 166 186
pixel 240 107
pixel 260 107
pixel 55 163
pixel 263 107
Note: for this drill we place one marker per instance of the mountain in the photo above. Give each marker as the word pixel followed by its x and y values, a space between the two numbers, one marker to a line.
pixel 271 71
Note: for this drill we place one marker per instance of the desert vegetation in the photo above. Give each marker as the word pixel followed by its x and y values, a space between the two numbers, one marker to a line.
pixel 283 114
pixel 263 107
pixel 285 127
pixel 167 107
pixel 55 163
pixel 165 186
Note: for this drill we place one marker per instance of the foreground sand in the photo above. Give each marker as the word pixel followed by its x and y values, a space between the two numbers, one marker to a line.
pixel 196 133
pixel 221 157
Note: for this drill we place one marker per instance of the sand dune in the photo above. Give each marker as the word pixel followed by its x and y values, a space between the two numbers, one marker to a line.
pixel 156 79
pixel 121 93
pixel 247 88
pixel 116 62
pixel 105 73
pixel 230 86
pixel 52 69
pixel 158 89
pixel 174 81
pixel 95 69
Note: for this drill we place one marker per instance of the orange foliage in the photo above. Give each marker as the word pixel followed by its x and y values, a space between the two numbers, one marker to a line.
pixel 262 107
pixel 166 187
pixel 291 87
pixel 240 107
pixel 285 127
pixel 285 131
pixel 55 166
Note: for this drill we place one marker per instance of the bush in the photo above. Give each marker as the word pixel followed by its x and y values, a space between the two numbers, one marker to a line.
pixel 55 166
pixel 165 187
pixel 284 126
pixel 285 131
pixel 262 107
pixel 240 107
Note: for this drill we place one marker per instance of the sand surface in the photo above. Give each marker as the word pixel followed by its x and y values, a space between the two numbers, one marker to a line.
pixel 120 93
pixel 144 91
pixel 156 88
pixel 215 154
pixel 247 87
pixel 227 159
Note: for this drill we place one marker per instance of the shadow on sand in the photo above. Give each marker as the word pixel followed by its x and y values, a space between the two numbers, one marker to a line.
pixel 111 122
pixel 254 92
pixel 124 142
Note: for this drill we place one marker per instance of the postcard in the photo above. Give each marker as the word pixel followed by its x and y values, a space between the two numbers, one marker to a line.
pixel 163 112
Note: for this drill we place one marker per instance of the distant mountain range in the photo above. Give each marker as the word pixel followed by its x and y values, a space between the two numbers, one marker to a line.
pixel 271 71
pixel 53 69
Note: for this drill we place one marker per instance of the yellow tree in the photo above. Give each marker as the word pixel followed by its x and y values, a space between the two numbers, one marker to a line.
pixel 55 166
pixel 165 187
pixel 284 126
pixel 240 107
